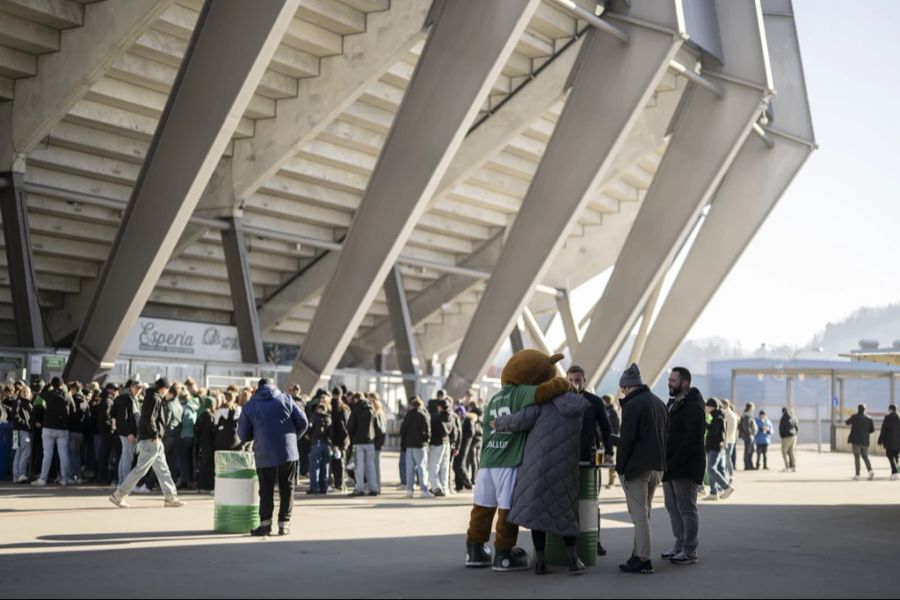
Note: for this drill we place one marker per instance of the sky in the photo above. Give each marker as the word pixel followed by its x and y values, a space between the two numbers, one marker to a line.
pixel 832 244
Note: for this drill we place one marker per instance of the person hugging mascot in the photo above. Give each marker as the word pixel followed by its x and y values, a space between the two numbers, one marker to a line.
pixel 529 377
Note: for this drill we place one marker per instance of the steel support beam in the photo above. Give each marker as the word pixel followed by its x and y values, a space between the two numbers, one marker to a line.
pixel 467 47
pixel 510 119
pixel 231 46
pixel 757 179
pixel 611 85
pixel 86 53
pixel 707 134
pixel 19 261
pixel 404 336
pixel 249 335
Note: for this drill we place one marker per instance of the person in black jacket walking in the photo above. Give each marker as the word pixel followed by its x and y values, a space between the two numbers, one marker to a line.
pixel 861 429
pixel 152 453
pixel 889 439
pixel 685 465
pixel 719 488
pixel 58 411
pixel 415 433
pixel 641 460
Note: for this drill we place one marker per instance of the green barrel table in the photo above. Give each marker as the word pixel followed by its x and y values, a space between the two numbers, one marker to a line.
pixel 588 493
pixel 237 493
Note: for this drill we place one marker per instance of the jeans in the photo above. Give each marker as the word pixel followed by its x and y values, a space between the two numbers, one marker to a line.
pixel 58 439
pixel 681 504
pixel 718 474
pixel 749 449
pixel 365 469
pixel 23 455
pixel 152 455
pixel 76 439
pixel 126 460
pixel 789 452
pixel 762 456
pixel 639 493
pixel 439 467
pixel 415 467
pixel 863 451
pixel 283 476
pixel 319 457
pixel 729 460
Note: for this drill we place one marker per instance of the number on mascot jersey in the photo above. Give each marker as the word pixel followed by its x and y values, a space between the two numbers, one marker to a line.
pixel 499 412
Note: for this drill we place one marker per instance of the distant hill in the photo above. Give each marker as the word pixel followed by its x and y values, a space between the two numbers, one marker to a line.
pixel 878 323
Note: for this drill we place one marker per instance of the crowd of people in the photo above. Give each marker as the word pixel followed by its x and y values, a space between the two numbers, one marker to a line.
pixel 138 437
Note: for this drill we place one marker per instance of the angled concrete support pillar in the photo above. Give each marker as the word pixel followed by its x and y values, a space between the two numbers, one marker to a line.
pixel 641 340
pixel 708 131
pixel 20 262
pixel 756 180
pixel 573 335
pixel 611 84
pixel 242 297
pixel 404 334
pixel 467 46
pixel 231 46
pixel 515 338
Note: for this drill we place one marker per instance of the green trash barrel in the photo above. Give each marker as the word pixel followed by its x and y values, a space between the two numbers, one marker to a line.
pixel 237 493
pixel 588 493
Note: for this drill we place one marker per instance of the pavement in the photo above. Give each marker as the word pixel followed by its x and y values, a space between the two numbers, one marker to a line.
pixel 814 533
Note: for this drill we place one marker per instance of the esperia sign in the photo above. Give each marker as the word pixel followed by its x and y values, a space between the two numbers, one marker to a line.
pixel 170 339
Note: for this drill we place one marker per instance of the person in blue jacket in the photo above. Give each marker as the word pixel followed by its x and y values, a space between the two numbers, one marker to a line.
pixel 273 422
pixel 763 439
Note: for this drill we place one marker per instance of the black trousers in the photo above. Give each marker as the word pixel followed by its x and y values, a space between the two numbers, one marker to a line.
pixel 108 443
pixel 283 476
pixel 893 455
pixel 539 539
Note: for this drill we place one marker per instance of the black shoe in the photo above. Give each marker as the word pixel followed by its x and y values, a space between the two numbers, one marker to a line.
pixel 667 555
pixel 540 567
pixel 510 560
pixel 601 551
pixel 355 494
pixel 311 492
pixel 438 493
pixel 576 567
pixel 372 494
pixel 636 565
pixel 478 555
pixel 284 529
pixel 261 531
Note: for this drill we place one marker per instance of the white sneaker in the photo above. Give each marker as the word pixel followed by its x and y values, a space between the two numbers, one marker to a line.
pixel 711 498
pixel 785 470
pixel 141 489
pixel 39 483
pixel 173 502
pixel 856 478
pixel 727 494
pixel 895 477
pixel 427 495
pixel 409 494
pixel 793 469
pixel 22 479
pixel 871 475
pixel 118 501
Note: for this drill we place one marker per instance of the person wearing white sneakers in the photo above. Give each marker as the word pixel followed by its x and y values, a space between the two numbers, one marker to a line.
pixel 415 433
pixel 889 439
pixel 719 488
pixel 60 407
pixel 152 453
pixel 861 429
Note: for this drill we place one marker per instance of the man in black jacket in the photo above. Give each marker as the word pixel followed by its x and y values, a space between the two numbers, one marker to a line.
pixel 320 434
pixel 788 429
pixel 59 409
pixel 861 429
pixel 889 439
pixel 685 464
pixel 719 488
pixel 361 428
pixel 152 455
pixel 641 460
pixel 415 433
pixel 439 445
pixel 22 424
pixel 126 426
pixel 105 430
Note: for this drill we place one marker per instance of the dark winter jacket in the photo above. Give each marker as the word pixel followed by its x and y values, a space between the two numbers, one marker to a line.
pixel 441 425
pixel 361 425
pixel 890 432
pixel 123 413
pixel 715 434
pixel 21 417
pixel 415 431
pixel 685 452
pixel 103 416
pixel 788 427
pixel 79 420
pixel 320 428
pixel 642 442
pixel 153 422
pixel 272 421
pixel 59 410
pixel 861 429
pixel 595 428
pixel 339 435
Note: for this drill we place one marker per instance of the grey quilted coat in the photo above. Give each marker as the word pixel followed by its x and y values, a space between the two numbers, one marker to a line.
pixel 546 495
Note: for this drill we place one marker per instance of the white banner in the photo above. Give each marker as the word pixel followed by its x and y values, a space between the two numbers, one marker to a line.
pixel 174 340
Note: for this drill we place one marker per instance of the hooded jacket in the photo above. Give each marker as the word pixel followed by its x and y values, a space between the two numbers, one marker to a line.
pixel 273 422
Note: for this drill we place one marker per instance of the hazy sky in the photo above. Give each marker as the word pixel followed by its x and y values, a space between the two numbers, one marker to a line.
pixel 833 242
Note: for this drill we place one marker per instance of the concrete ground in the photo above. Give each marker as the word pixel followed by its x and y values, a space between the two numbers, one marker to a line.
pixel 813 533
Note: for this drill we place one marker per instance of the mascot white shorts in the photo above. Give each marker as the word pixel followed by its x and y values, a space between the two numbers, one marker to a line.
pixel 494 487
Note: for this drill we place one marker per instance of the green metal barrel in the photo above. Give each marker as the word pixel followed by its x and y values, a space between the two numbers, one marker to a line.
pixel 588 493
pixel 237 493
